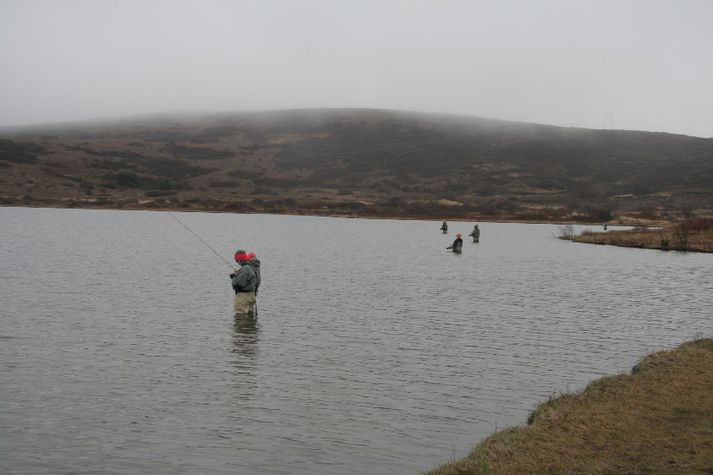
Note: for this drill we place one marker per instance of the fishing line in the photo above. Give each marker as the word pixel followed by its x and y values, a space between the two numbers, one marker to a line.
pixel 209 247
pixel 197 236
pixel 331 155
pixel 201 240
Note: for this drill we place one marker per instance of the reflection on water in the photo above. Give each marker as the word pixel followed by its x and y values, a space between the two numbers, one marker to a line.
pixel 246 335
pixel 245 324
pixel 244 350
pixel 375 351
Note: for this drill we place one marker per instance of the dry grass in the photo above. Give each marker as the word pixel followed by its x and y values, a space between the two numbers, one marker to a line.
pixel 691 235
pixel 659 419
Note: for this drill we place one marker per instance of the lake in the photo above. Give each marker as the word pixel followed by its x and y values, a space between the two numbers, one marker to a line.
pixel 375 350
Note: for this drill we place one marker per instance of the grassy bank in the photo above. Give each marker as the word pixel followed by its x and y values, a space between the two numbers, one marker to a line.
pixel 658 419
pixel 690 235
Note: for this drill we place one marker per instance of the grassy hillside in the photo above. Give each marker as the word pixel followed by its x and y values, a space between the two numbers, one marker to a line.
pixel 359 162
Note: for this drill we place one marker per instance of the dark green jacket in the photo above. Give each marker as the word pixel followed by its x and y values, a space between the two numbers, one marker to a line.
pixel 247 278
pixel 457 246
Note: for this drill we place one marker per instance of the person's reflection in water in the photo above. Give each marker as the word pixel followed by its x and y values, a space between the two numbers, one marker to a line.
pixel 245 337
pixel 243 355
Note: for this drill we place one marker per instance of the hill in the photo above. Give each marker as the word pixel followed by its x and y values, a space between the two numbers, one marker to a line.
pixel 359 162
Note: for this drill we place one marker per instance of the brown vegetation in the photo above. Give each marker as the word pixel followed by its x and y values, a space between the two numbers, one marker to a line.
pixel 659 419
pixel 366 163
pixel 694 234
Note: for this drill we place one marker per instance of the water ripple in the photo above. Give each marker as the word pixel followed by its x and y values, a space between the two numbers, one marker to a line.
pixel 375 350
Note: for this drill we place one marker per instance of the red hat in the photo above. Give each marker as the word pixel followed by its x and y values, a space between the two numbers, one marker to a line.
pixel 242 256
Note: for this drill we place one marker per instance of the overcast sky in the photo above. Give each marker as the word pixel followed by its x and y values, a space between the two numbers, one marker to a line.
pixel 636 64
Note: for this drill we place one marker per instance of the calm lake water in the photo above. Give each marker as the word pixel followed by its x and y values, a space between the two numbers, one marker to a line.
pixel 375 350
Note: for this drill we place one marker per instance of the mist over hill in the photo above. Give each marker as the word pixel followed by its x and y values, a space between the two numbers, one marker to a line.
pixel 358 162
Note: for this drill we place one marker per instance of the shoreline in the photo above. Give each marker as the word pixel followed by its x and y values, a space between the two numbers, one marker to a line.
pixel 624 221
pixel 656 419
pixel 691 235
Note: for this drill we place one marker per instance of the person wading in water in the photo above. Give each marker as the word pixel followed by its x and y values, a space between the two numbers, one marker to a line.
pixel 444 227
pixel 475 234
pixel 457 245
pixel 246 282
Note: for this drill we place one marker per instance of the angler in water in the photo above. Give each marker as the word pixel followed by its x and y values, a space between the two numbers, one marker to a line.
pixel 475 233
pixel 457 245
pixel 246 282
pixel 444 227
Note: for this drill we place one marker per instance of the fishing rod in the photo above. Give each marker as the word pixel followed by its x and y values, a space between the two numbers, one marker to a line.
pixel 209 247
pixel 201 240
pixel 196 235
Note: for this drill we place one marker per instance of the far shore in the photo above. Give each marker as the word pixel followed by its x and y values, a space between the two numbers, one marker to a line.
pixel 658 419
pixel 690 235
pixel 623 220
